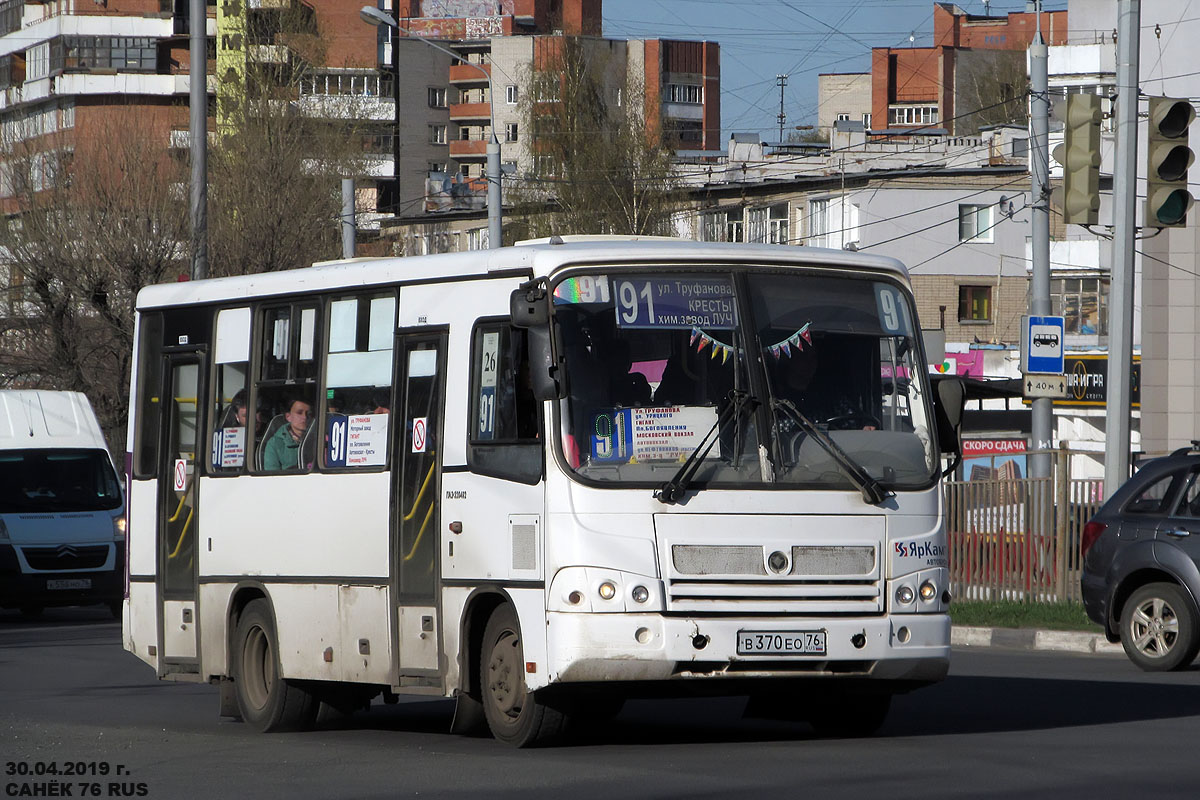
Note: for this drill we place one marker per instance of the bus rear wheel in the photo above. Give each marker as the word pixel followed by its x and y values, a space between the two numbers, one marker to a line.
pixel 266 701
pixel 514 714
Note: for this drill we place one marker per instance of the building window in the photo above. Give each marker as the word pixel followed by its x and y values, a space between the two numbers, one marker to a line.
pixel 1082 303
pixel 974 304
pixel 975 223
pixel 10 16
pixel 510 94
pixel 721 226
pixel 510 131
pixel 477 239
pixel 912 115
pixel 818 223
pixel 769 225
pixel 437 166
pixel 437 134
pixel 437 97
pixel 867 121
pixel 340 83
pixel 84 53
pixel 684 93
pixel 842 118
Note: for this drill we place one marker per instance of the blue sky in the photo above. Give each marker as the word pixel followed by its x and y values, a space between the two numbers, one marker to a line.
pixel 799 38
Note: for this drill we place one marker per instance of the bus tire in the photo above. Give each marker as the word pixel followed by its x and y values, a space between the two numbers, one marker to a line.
pixel 848 716
pixel 266 701
pixel 514 714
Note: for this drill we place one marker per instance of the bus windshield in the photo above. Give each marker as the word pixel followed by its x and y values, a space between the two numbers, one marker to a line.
pixel 57 480
pixel 656 363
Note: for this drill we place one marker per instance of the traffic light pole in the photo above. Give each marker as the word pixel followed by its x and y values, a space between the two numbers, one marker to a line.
pixel 1120 316
pixel 1039 296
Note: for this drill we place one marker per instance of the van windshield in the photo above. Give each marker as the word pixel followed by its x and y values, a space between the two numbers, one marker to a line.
pixel 56 480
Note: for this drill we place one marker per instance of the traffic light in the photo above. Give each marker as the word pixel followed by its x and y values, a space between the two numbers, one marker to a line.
pixel 1167 160
pixel 1079 155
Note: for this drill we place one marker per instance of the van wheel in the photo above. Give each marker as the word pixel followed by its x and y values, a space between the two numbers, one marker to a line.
pixel 515 715
pixel 1158 628
pixel 266 701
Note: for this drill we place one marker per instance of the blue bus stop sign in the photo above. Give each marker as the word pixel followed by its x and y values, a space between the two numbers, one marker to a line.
pixel 1044 345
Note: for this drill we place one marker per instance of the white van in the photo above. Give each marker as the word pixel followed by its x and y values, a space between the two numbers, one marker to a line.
pixel 62 516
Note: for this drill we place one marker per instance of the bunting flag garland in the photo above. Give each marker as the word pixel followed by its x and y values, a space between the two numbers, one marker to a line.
pixel 719 348
pixel 781 348
pixel 784 346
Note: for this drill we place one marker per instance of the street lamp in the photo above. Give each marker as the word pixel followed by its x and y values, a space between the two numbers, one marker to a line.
pixel 374 16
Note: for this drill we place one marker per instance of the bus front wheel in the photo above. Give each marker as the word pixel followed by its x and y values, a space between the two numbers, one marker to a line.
pixel 515 715
pixel 266 701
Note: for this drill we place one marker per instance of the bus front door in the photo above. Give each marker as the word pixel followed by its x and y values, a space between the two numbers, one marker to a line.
pixel 416 510
pixel 178 513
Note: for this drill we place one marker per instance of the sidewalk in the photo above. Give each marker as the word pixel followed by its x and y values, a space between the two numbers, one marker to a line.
pixel 1031 639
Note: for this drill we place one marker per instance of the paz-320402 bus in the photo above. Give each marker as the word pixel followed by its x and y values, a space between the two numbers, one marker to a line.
pixel 541 479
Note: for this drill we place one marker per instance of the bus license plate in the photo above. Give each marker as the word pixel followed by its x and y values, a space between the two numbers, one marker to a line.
pixel 794 643
pixel 69 583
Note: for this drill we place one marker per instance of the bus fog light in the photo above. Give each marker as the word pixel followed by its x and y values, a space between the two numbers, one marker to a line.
pixel 928 591
pixel 607 590
pixel 903 635
pixel 642 635
pixel 904 595
pixel 575 598
pixel 640 594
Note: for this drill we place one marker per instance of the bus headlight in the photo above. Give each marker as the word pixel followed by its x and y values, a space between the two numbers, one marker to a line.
pixel 640 594
pixel 607 590
pixel 904 595
pixel 927 591
pixel 597 589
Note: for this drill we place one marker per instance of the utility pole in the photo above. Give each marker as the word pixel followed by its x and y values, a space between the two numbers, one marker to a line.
pixel 1120 316
pixel 782 81
pixel 198 133
pixel 1039 174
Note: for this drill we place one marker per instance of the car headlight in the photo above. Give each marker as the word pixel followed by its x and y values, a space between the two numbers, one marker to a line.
pixel 119 527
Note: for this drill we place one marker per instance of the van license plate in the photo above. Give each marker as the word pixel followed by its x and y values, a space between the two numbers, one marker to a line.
pixel 69 583
pixel 797 643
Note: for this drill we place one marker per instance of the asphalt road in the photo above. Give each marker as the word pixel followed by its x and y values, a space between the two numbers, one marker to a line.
pixel 1006 723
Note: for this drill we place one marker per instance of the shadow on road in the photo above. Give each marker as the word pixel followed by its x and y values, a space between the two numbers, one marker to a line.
pixel 67 615
pixel 959 705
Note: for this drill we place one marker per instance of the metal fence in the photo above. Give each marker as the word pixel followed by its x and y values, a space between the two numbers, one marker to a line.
pixel 1018 539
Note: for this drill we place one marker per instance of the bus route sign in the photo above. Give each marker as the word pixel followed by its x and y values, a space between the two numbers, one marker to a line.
pixel 676 303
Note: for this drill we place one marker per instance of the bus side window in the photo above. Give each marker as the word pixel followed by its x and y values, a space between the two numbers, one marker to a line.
pixel 358 381
pixel 230 401
pixel 284 394
pixel 505 421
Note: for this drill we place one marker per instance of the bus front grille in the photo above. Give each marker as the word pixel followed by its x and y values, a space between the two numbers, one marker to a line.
pixel 782 596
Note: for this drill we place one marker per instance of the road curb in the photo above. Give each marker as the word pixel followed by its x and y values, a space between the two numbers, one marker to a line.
pixel 1031 639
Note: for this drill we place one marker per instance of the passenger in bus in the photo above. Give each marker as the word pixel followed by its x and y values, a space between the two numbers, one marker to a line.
pixel 282 450
pixel 240 410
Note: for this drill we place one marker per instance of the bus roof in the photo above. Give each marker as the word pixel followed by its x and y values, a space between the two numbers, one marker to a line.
pixel 538 258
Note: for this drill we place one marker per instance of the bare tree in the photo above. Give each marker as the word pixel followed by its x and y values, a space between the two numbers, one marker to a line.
pixel 98 218
pixel 596 165
pixel 991 88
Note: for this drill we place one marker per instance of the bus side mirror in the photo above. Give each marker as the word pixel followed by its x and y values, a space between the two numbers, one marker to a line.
pixel 529 307
pixel 949 398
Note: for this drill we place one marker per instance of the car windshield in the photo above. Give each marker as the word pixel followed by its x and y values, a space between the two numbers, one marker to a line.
pixel 655 362
pixel 56 480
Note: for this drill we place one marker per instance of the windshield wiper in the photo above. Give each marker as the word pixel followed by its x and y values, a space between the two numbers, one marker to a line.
pixel 738 403
pixel 872 492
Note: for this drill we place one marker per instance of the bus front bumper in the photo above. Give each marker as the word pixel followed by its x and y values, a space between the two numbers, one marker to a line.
pixel 911 648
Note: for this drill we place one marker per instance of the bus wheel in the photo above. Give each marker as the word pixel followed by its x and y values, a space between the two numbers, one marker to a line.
pixel 848 716
pixel 515 715
pixel 266 701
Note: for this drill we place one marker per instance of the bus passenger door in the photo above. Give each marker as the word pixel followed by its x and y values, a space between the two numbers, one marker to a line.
pixel 178 512
pixel 416 508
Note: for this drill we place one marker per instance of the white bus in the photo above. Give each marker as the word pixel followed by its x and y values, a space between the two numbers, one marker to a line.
pixel 541 479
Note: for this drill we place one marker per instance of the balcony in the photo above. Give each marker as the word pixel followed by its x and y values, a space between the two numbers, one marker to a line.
pixel 462 112
pixel 468 149
pixel 463 74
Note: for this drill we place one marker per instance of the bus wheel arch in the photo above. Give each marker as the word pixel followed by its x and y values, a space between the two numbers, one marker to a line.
pixel 514 714
pixel 266 701
pixel 469 718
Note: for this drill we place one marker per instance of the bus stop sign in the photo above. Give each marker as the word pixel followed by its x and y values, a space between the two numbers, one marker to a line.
pixel 1043 351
